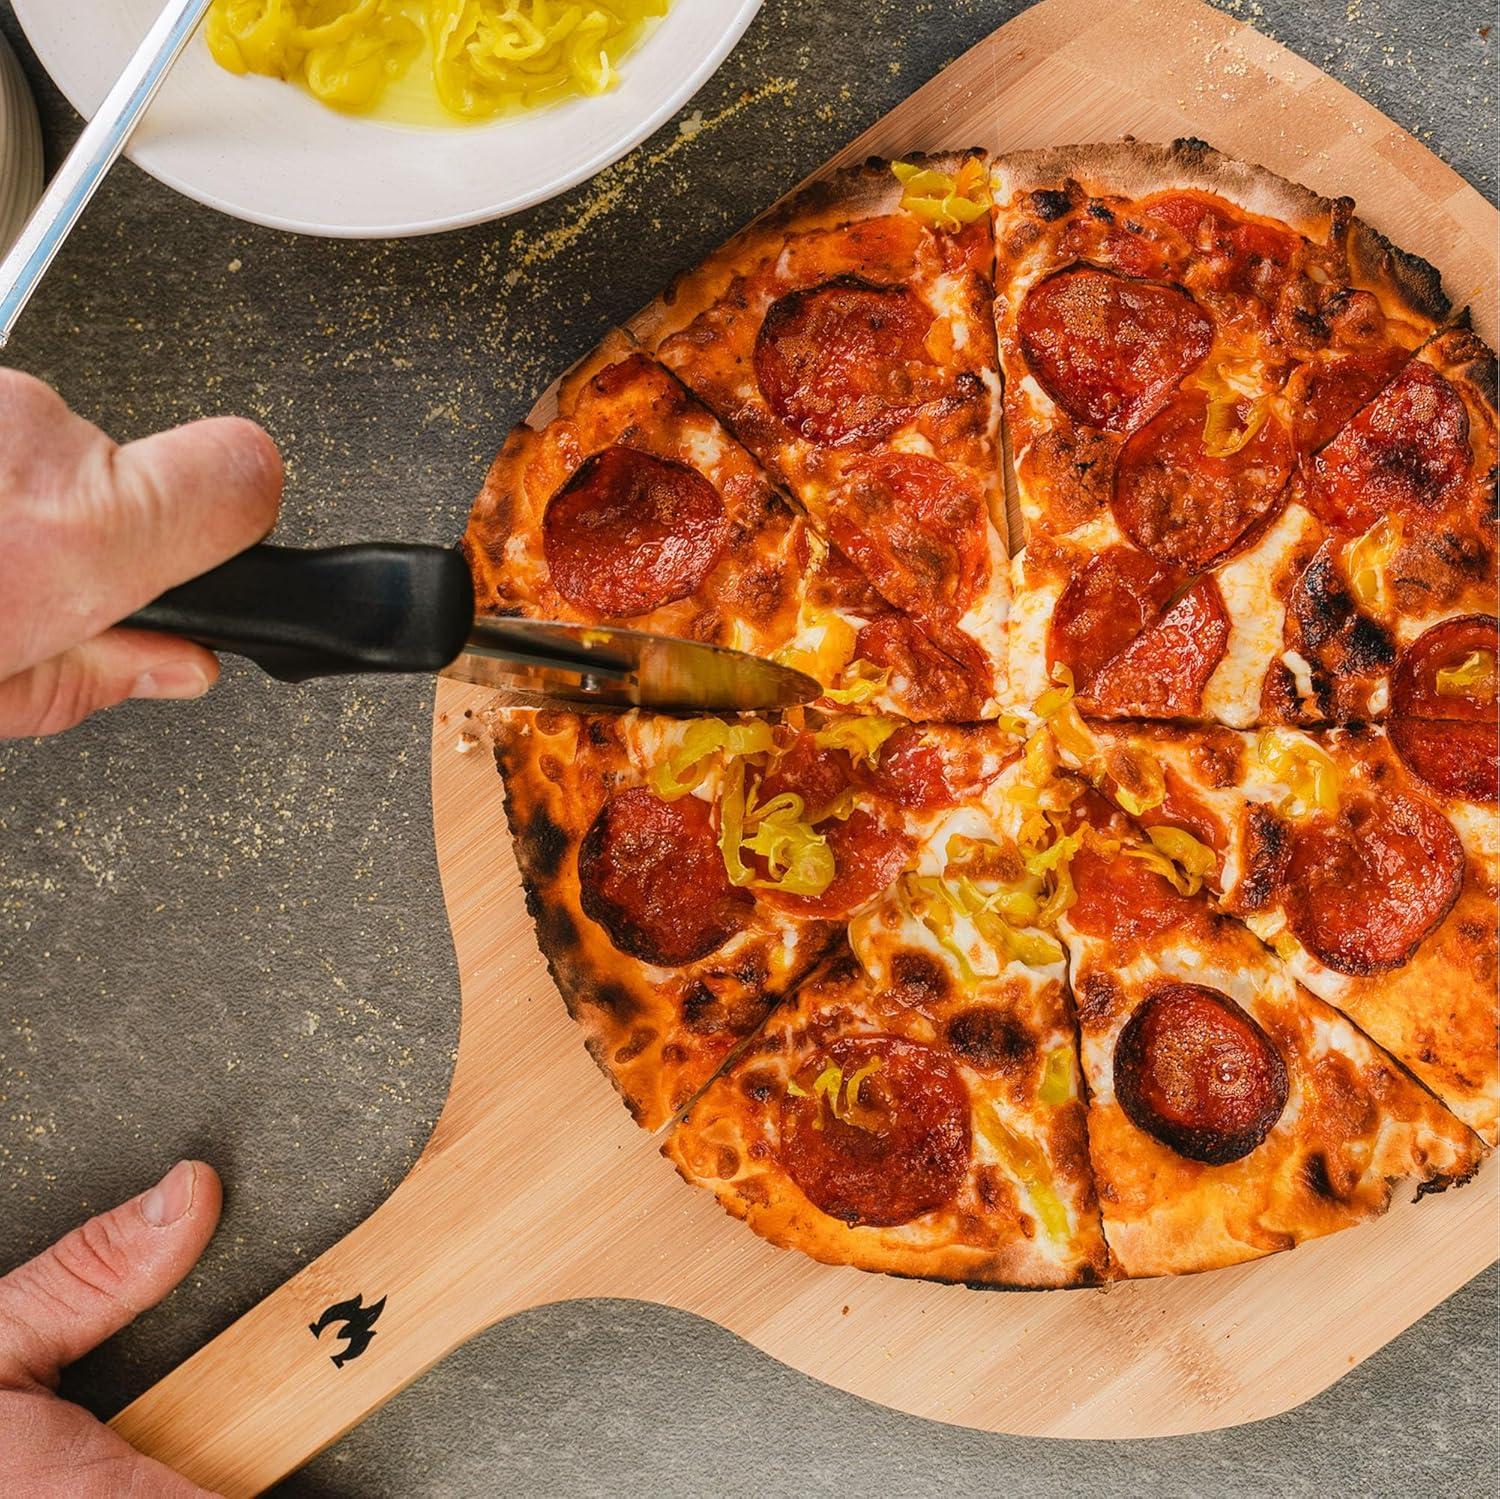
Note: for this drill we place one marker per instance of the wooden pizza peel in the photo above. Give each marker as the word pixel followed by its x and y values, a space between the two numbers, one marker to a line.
pixel 536 1187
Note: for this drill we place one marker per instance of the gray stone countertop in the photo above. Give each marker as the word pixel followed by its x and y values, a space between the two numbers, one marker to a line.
pixel 220 926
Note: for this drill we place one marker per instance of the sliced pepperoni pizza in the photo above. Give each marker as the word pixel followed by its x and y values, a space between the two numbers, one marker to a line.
pixel 682 874
pixel 1404 500
pixel 1188 344
pixel 847 339
pixel 1369 858
pixel 912 1121
pixel 1232 1113
pixel 633 505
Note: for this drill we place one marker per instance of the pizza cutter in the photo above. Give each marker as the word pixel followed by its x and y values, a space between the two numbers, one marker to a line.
pixel 388 607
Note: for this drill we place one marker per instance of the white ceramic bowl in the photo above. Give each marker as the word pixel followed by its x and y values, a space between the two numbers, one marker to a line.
pixel 20 148
pixel 264 151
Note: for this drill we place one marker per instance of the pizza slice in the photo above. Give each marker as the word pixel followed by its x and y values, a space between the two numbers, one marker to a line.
pixel 1185 339
pixel 1404 497
pixel 913 1120
pixel 684 873
pixel 1368 858
pixel 633 505
pixel 1148 295
pixel 1232 1113
pixel 846 338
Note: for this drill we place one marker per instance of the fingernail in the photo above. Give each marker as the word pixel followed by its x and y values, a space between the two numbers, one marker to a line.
pixel 180 679
pixel 171 1197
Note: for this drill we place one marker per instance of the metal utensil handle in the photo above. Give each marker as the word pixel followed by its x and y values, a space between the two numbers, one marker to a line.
pixel 96 151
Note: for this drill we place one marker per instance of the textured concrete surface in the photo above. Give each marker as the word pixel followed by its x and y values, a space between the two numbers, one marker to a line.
pixel 220 926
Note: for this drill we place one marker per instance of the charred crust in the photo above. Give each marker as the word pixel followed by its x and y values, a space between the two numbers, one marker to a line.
pixel 1418 283
pixel 555 926
pixel 546 844
pixel 1050 203
pixel 1101 211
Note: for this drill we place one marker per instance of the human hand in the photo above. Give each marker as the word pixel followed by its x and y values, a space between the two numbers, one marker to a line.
pixel 90 532
pixel 69 1299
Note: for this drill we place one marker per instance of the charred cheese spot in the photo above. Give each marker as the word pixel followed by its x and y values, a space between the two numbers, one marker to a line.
pixel 1267 843
pixel 918 979
pixel 1050 203
pixel 1218 757
pixel 1099 997
pixel 991 1039
pixel 634 1044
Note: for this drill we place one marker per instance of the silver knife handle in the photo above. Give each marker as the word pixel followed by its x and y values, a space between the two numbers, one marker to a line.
pixel 95 153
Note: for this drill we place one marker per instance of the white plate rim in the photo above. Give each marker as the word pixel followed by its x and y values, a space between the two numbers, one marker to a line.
pixel 608 153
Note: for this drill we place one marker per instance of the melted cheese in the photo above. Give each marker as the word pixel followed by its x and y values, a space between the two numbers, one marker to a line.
pixel 1257 620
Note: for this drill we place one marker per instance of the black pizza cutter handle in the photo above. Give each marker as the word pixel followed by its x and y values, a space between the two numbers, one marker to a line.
pixel 332 611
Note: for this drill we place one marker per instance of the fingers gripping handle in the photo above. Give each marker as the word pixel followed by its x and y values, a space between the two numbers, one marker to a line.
pixel 303 614
pixel 325 1349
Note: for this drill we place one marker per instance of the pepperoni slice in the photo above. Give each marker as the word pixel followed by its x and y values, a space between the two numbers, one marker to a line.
pixel 901 1149
pixel 1406 453
pixel 1196 1072
pixel 917 531
pixel 1166 667
pixel 1446 646
pixel 806 769
pixel 1186 507
pixel 1110 350
pixel 846 363
pixel 1230 253
pixel 869 851
pixel 1103 608
pixel 914 771
pixel 1123 900
pixel 1456 759
pixel 650 873
pixel 630 532
pixel 1449 740
pixel 1326 395
pixel 930 683
pixel 1364 888
pixel 1131 646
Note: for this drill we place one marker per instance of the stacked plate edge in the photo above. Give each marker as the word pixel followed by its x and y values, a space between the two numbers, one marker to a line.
pixel 20 148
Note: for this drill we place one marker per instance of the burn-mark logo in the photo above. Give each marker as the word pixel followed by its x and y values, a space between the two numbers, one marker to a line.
pixel 359 1326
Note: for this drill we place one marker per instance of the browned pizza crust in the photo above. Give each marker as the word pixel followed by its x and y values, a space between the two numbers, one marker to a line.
pixel 658 1033
pixel 1136 169
pixel 865 191
pixel 1014 1206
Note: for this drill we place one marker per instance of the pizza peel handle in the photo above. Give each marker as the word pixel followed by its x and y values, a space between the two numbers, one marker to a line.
pixel 379 1308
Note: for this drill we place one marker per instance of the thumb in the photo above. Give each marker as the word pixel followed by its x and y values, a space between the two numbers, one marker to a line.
pixel 88 1285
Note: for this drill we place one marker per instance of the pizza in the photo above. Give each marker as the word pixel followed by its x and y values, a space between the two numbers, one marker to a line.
pixel 1127 904
pixel 923 1124
pixel 847 338
pixel 1376 883
pixel 635 506
pixel 1231 1112
pixel 1252 451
